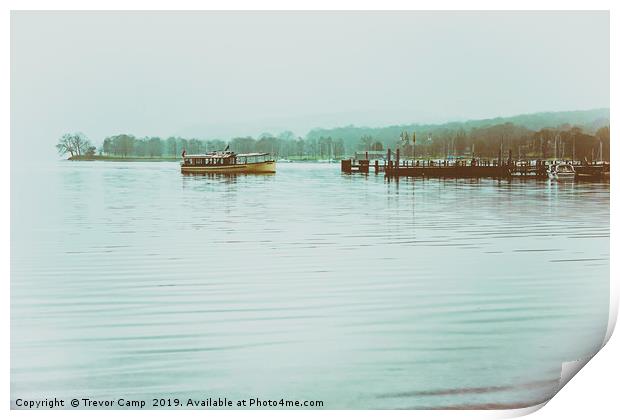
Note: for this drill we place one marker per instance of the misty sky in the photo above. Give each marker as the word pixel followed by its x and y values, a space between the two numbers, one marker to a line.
pixel 222 74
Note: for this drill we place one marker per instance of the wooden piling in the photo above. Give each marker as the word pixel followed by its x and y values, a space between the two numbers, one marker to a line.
pixel 476 168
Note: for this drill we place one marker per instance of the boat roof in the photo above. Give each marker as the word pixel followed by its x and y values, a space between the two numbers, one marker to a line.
pixel 212 155
pixel 252 154
pixel 225 155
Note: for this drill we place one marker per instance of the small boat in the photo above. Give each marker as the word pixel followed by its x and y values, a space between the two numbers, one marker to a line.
pixel 228 162
pixel 561 171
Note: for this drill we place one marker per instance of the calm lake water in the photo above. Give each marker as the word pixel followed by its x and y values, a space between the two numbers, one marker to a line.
pixel 131 280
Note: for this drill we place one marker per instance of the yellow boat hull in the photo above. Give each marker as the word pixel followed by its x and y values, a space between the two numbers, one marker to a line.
pixel 246 168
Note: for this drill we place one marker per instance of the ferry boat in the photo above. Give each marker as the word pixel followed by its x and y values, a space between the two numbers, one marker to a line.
pixel 562 171
pixel 228 162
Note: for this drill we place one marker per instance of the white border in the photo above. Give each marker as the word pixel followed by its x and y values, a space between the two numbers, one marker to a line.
pixel 310 5
pixel 595 390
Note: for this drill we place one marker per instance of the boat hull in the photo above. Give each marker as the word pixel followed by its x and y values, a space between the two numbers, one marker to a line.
pixel 566 176
pixel 246 168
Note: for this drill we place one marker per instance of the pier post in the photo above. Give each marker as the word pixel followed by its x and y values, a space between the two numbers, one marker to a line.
pixel 364 166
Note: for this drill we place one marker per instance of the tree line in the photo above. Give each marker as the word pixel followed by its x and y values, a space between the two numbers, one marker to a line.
pixel 562 142
pixel 565 142
pixel 285 145
pixel 484 141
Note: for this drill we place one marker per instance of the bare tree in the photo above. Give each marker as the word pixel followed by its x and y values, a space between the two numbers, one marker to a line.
pixel 73 143
pixel 65 145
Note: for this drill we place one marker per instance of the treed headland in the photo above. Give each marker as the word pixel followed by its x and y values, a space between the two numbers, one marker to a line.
pixel 562 135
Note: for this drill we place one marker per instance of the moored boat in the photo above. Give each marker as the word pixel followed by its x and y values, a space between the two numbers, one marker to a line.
pixel 228 162
pixel 562 171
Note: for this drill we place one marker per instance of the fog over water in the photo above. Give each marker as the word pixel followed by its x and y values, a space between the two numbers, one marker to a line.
pixel 224 74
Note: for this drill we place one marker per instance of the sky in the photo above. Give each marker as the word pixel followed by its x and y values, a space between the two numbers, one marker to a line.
pixel 225 74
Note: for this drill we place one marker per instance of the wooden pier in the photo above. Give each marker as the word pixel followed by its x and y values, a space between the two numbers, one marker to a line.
pixel 470 168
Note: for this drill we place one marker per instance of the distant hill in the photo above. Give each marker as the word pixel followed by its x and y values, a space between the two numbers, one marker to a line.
pixel 588 120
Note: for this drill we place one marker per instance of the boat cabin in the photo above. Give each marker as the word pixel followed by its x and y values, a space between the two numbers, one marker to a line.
pixel 225 159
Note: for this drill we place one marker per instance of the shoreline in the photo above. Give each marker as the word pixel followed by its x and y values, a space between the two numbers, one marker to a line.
pixel 163 159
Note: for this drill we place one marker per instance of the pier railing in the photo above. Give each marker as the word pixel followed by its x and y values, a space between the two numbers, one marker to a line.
pixel 469 168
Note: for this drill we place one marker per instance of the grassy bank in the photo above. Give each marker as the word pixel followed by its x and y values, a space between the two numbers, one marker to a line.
pixel 126 158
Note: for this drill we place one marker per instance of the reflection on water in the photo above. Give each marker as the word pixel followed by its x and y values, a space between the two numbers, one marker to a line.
pixel 227 177
pixel 130 279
